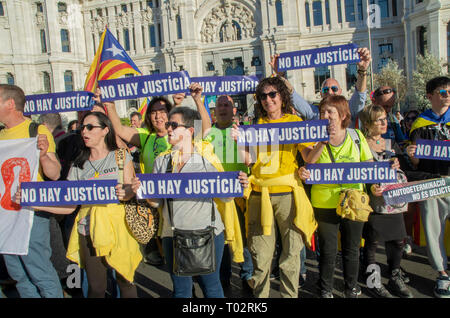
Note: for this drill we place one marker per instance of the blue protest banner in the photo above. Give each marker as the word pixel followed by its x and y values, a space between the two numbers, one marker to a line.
pixel 144 86
pixel 333 55
pixel 58 102
pixel 189 185
pixel 351 172
pixel 432 149
pixel 227 85
pixel 56 193
pixel 283 133
pixel 397 194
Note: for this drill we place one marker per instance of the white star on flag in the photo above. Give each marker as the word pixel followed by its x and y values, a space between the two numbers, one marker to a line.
pixel 115 50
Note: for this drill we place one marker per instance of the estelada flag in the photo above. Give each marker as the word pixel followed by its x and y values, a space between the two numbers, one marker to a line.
pixel 111 61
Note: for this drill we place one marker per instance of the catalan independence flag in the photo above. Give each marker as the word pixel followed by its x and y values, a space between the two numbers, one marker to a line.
pixel 111 61
pixel 143 108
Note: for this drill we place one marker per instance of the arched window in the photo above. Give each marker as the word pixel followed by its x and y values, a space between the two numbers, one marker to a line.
pixel 179 31
pixel 47 82
pixel 230 31
pixel 279 11
pixel 317 13
pixel 68 81
pixel 307 15
pixel 9 79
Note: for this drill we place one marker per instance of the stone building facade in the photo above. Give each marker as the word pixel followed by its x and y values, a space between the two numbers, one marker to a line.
pixel 49 45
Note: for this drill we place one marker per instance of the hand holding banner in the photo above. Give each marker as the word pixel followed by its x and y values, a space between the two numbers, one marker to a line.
pixel 58 193
pixel 432 149
pixel 333 55
pixel 351 172
pixel 188 185
pixel 144 86
pixel 283 133
pixel 416 191
pixel 58 102
pixel 229 85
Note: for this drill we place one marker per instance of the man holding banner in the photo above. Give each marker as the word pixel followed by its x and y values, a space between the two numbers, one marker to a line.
pixel 331 87
pixel 434 125
pixel 226 150
pixel 34 272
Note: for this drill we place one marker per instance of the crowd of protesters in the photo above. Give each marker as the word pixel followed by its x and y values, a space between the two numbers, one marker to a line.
pixel 278 215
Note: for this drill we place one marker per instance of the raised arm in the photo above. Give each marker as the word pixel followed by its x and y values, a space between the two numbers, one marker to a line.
pixel 299 103
pixel 196 94
pixel 128 134
pixel 48 161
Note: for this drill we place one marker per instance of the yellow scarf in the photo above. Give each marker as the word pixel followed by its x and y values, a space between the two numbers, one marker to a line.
pixel 110 237
pixel 227 210
pixel 304 217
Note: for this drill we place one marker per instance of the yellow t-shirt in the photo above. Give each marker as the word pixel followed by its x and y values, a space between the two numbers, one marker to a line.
pixel 326 196
pixel 22 131
pixel 277 160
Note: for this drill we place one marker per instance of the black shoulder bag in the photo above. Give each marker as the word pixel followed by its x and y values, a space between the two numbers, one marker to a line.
pixel 194 252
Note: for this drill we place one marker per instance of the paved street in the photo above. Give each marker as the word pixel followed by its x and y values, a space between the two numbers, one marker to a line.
pixel 155 282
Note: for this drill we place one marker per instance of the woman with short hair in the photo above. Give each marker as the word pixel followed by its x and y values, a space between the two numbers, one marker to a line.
pixel 325 197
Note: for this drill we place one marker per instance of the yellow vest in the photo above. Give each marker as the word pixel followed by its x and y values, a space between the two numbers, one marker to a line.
pixel 304 216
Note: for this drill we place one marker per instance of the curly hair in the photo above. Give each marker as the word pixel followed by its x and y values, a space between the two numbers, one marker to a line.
pixel 282 89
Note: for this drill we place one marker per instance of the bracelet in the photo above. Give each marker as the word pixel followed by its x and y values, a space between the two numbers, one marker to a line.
pixel 362 72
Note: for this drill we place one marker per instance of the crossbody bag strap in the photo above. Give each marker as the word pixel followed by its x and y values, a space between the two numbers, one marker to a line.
pixel 169 169
pixel 330 153
pixel 120 158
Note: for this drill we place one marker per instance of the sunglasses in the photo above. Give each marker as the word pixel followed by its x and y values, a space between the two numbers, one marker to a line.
pixel 444 92
pixel 327 88
pixel 384 92
pixel 271 94
pixel 89 127
pixel 174 125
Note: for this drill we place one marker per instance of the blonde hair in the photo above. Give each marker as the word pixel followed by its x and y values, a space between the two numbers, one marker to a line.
pixel 369 115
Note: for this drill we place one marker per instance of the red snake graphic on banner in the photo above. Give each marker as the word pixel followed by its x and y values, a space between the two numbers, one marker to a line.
pixel 7 171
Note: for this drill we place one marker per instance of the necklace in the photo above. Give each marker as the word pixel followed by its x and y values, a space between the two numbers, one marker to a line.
pixel 377 141
pixel 97 173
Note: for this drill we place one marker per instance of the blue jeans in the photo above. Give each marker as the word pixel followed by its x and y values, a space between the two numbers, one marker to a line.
pixel 182 285
pixel 35 275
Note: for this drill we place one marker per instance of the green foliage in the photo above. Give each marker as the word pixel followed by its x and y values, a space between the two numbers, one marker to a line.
pixel 428 67
pixel 391 75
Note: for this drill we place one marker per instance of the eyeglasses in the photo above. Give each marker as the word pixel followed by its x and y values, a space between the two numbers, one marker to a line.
pixel 174 125
pixel 271 94
pixel 327 88
pixel 381 120
pixel 444 92
pixel 379 92
pixel 89 127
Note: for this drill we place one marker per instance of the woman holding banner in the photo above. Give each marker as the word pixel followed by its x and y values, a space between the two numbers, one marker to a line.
pixel 187 156
pixel 101 238
pixel 325 197
pixel 276 196
pixel 386 224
